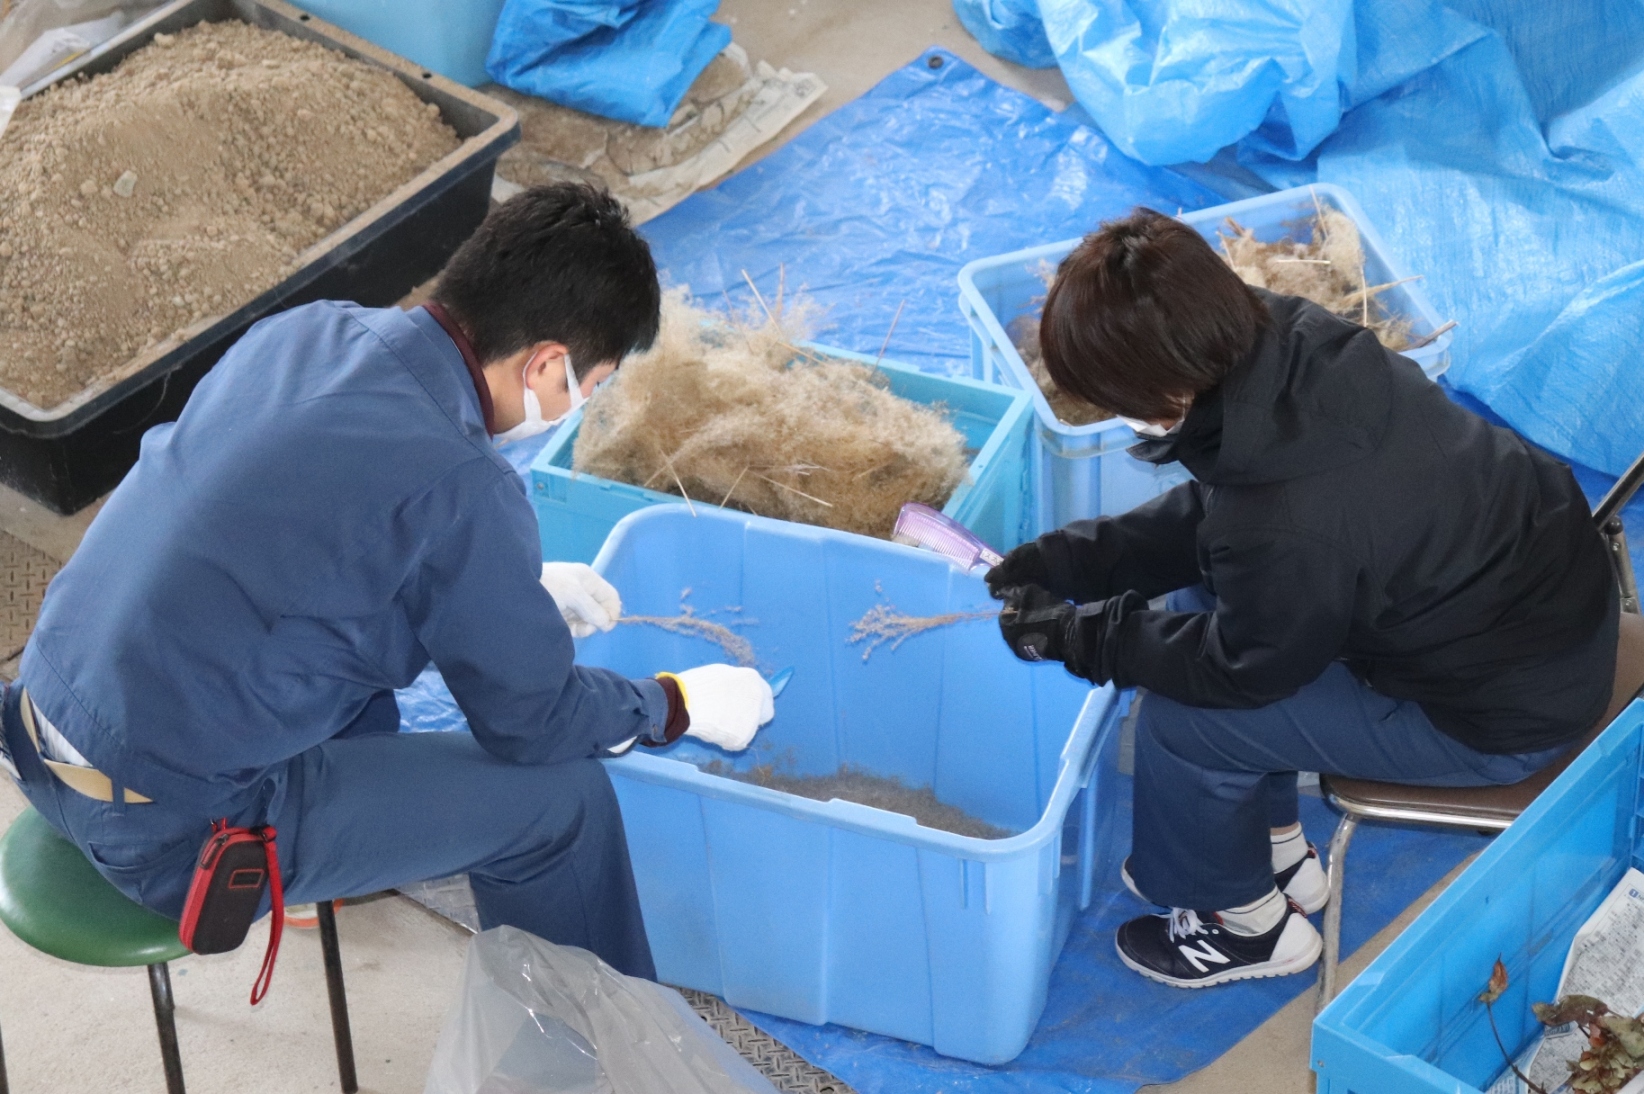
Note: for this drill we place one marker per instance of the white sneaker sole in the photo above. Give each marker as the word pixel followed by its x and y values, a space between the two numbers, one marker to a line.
pixel 1310 888
pixel 1305 957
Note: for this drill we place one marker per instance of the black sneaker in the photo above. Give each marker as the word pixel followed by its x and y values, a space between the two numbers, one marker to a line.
pixel 1187 949
pixel 1304 882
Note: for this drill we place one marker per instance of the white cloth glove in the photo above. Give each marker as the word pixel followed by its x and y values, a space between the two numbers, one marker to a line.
pixel 586 600
pixel 727 704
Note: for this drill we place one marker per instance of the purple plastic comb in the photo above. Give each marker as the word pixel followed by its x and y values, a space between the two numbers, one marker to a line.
pixel 921 526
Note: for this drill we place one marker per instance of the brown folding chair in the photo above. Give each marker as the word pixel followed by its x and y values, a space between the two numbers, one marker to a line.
pixel 1484 808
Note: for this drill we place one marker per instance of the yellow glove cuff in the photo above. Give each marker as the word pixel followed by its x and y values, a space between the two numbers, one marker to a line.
pixel 684 696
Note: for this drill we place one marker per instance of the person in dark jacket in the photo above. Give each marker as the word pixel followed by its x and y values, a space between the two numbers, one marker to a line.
pixel 1363 579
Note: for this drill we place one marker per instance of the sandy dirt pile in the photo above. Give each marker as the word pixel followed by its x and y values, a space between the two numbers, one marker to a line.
pixel 736 414
pixel 852 784
pixel 181 185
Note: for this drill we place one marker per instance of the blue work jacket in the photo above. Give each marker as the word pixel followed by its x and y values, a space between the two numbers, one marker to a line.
pixel 327 516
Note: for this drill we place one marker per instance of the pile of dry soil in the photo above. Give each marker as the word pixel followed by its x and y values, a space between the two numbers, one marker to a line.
pixel 852 784
pixel 181 185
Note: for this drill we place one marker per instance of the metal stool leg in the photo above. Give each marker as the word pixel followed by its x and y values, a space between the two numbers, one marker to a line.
pixel 340 1030
pixel 1332 912
pixel 159 986
pixel 5 1084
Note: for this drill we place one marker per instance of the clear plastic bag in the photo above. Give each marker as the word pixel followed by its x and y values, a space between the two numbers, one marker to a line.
pixel 536 1018
pixel 38 37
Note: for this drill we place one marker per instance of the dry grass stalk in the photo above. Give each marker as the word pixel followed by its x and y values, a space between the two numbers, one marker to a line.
pixel 731 409
pixel 883 623
pixel 735 646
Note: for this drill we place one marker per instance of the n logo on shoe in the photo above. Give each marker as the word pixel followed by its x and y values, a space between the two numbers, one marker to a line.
pixel 1205 952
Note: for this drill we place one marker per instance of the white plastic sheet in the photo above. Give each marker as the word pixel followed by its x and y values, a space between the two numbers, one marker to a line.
pixel 38 37
pixel 536 1018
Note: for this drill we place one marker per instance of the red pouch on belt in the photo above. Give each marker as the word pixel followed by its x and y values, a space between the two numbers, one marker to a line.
pixel 235 866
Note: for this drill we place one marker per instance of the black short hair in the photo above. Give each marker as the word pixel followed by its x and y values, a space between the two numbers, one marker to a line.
pixel 557 263
pixel 1143 314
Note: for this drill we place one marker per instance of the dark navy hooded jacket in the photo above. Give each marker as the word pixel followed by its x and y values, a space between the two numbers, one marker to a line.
pixel 326 517
pixel 1345 509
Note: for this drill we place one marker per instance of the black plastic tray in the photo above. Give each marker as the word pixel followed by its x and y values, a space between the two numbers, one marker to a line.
pixel 69 455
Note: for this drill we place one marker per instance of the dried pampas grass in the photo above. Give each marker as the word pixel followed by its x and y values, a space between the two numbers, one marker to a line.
pixel 1328 270
pixel 739 415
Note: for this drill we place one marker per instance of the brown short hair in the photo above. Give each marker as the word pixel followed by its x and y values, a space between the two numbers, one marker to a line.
pixel 1144 314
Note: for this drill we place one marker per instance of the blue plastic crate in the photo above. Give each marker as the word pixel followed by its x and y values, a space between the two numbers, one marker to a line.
pixel 832 911
pixel 1411 1023
pixel 575 512
pixel 1082 471
pixel 450 37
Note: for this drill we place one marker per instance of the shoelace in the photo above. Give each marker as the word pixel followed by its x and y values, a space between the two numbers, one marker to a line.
pixel 1184 923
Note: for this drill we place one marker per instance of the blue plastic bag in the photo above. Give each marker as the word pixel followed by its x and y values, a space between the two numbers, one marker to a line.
pixel 1524 210
pixel 632 60
pixel 1494 144
pixel 1008 28
pixel 1171 81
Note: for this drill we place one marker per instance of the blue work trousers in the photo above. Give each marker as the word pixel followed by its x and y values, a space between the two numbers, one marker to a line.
pixel 373 809
pixel 1211 783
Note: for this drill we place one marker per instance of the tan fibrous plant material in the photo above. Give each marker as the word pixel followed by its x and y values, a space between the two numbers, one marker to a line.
pixel 733 412
pixel 884 623
pixel 181 185
pixel 1329 270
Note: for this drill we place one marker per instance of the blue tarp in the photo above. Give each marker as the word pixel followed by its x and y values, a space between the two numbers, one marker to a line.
pixel 873 209
pixel 632 60
pixel 1494 143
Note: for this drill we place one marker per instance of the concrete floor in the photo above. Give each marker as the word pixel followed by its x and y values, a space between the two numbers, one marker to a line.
pixel 68 1028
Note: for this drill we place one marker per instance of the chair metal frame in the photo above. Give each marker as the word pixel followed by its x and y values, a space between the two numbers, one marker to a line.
pixel 165 1008
pixel 1607 515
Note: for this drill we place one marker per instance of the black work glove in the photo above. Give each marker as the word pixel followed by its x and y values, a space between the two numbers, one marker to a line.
pixel 1035 622
pixel 1024 565
pixel 1039 626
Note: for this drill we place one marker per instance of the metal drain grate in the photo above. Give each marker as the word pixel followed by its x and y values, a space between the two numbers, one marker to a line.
pixel 786 1070
pixel 24 572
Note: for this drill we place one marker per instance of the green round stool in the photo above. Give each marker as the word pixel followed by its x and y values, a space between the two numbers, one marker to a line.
pixel 54 899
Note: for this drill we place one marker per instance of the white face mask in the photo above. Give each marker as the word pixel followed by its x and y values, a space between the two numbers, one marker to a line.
pixel 534 423
pixel 1148 429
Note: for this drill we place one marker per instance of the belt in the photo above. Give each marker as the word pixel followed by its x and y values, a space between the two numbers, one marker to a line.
pixel 84 780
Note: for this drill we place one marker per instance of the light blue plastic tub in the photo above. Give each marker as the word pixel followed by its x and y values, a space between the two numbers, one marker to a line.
pixel 1411 1023
pixel 1082 471
pixel 832 911
pixel 575 512
pixel 450 37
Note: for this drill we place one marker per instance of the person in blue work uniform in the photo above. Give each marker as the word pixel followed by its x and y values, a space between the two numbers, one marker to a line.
pixel 1362 579
pixel 327 517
